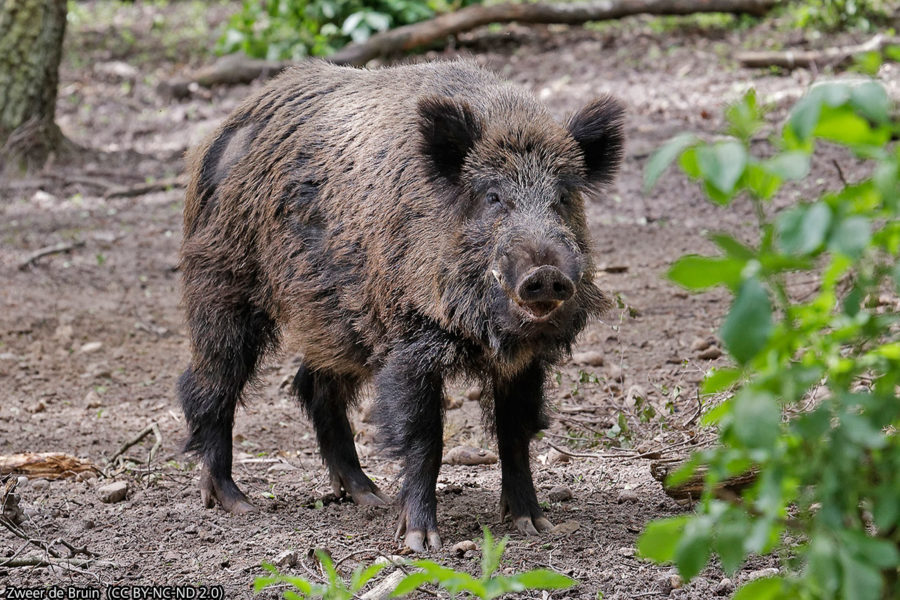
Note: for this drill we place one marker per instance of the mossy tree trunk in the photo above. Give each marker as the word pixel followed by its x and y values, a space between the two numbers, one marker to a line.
pixel 31 36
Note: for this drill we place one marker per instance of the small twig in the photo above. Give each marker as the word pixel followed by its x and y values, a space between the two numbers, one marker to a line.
pixel 152 428
pixel 840 171
pixel 38 254
pixel 144 188
pixel 352 554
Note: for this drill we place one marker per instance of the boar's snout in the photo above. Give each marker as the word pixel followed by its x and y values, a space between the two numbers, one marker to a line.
pixel 538 278
pixel 543 289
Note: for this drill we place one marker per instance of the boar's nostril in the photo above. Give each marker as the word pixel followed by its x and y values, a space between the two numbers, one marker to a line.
pixel 545 284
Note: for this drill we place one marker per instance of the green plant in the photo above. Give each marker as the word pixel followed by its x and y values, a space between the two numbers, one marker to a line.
pixel 292 29
pixel 335 589
pixel 840 14
pixel 456 582
pixel 488 585
pixel 817 374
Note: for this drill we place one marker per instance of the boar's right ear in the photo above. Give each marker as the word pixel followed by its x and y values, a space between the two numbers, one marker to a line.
pixel 598 130
pixel 449 129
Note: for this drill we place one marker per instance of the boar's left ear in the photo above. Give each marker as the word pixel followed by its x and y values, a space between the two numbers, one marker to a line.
pixel 598 130
pixel 449 129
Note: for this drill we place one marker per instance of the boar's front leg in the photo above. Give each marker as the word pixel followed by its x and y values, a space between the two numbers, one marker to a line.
pixel 519 414
pixel 409 412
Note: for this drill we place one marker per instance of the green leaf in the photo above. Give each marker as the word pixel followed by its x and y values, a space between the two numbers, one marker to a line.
pixel 663 157
pixel 802 230
pixel 660 538
pixel 411 583
pixel 804 117
pixel 722 164
pixel 720 379
pixel 362 576
pixel 767 588
pixel 879 553
pixel 760 181
pixel 700 272
pixel 729 542
pixel 744 117
pixel 844 126
pixel 897 275
pixel 861 580
pixel 872 101
pixel 693 549
pixel 858 429
pixel 851 236
pixel 757 418
pixel 732 247
pixel 378 21
pixel 790 166
pixel 748 326
pixel 543 579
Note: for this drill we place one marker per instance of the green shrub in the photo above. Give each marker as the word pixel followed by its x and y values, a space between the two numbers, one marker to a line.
pixel 293 29
pixel 841 14
pixel 487 587
pixel 813 397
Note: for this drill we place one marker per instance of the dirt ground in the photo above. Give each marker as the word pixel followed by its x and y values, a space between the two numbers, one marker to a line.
pixel 92 340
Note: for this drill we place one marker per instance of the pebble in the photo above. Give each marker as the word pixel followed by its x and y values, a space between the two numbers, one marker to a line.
pixel 626 551
pixel 615 372
pixel 701 344
pixel 591 358
pixel 473 394
pixel 560 493
pixel 726 586
pixel 752 575
pixel 39 485
pixel 710 353
pixel 627 496
pixel 460 548
pixel 464 455
pixel 91 347
pixel 566 528
pixel 556 457
pixel 286 559
pixel 113 492
pixel 92 400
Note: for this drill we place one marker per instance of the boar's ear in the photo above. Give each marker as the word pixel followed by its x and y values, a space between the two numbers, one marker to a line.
pixel 598 130
pixel 449 129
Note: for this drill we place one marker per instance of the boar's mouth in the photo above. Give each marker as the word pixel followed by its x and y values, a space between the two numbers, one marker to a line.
pixel 536 311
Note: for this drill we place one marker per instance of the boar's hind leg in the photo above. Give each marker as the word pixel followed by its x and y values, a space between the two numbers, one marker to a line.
pixel 519 414
pixel 409 412
pixel 227 343
pixel 325 398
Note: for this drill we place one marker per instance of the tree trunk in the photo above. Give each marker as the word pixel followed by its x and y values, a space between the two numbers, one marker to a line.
pixel 31 36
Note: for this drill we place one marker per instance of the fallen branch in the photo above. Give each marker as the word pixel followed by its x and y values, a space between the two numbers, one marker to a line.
pixel 410 37
pixel 46 465
pixel 39 254
pixel 692 489
pixel 152 428
pixel 36 561
pixel 239 69
pixel 790 59
pixel 140 189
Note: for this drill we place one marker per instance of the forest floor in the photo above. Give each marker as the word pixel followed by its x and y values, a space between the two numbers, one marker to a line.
pixel 92 340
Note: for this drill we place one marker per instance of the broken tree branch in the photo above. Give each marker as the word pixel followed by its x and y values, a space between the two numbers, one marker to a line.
pixel 790 59
pixel 410 37
pixel 239 68
pixel 46 465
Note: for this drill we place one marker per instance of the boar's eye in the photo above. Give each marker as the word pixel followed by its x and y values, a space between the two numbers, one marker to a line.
pixel 492 197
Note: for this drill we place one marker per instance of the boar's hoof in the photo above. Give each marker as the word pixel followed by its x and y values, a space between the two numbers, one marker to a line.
pixel 530 526
pixel 415 538
pixel 364 494
pixel 226 493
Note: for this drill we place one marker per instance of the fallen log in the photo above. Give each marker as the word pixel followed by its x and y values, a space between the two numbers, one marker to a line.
pixel 804 59
pixel 239 68
pixel 410 37
pixel 46 465
pixel 692 489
